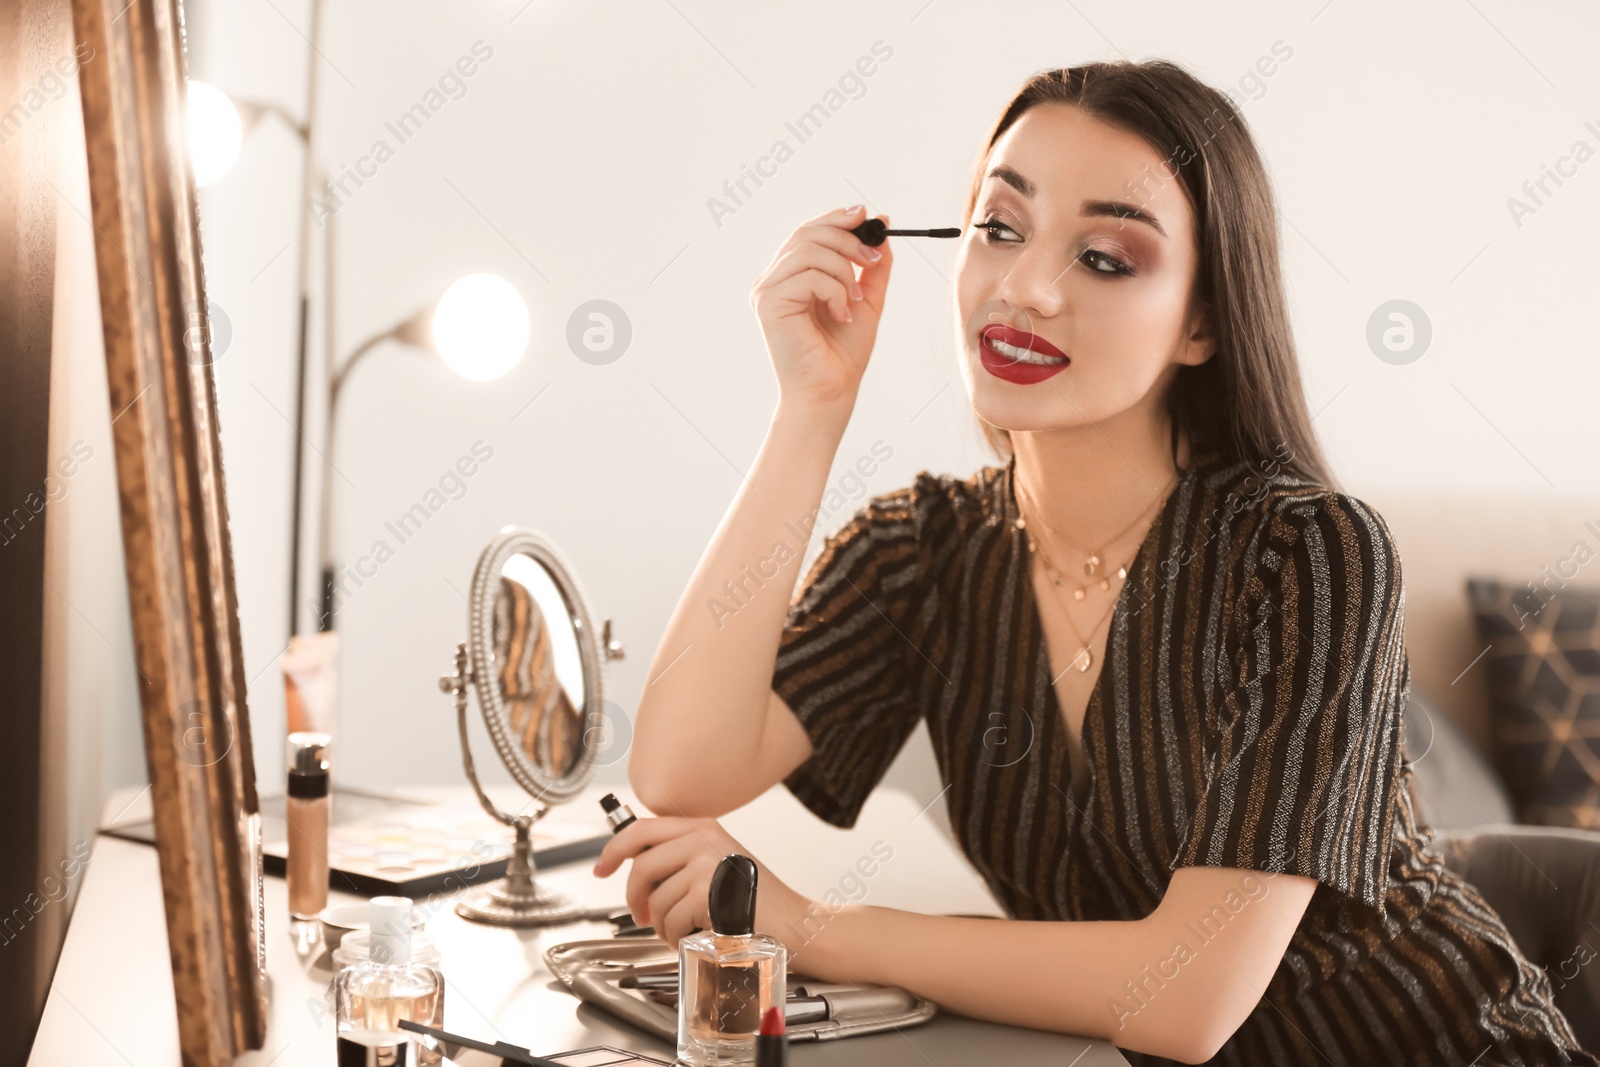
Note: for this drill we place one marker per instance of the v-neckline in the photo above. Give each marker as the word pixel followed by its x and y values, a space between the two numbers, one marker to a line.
pixel 1060 736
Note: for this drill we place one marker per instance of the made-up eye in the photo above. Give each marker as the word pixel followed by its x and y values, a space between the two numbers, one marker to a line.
pixel 1102 263
pixel 992 228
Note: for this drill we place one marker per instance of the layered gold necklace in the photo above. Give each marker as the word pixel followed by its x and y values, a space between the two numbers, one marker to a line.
pixel 1084 659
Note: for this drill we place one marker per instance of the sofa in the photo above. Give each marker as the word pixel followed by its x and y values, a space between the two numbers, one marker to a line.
pixel 1543 881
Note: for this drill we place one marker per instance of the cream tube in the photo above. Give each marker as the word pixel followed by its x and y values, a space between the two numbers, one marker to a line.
pixel 310 677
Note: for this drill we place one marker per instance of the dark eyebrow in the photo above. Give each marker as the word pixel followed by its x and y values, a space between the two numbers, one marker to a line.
pixel 1116 209
pixel 1013 179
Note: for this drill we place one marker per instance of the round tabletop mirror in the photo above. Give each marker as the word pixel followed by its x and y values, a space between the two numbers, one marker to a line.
pixel 534 657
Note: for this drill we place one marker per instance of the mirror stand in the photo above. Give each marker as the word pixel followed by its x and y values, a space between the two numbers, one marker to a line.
pixel 516 899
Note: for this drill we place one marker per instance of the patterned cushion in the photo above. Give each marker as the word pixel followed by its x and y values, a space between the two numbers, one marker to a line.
pixel 1543 665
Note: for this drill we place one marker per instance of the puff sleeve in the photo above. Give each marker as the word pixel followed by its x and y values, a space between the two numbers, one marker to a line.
pixel 846 662
pixel 1306 762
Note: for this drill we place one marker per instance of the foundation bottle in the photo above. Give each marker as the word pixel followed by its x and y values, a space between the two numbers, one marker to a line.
pixel 309 804
pixel 728 976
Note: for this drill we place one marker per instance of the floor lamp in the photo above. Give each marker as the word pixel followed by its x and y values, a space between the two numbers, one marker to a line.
pixel 217 125
pixel 478 327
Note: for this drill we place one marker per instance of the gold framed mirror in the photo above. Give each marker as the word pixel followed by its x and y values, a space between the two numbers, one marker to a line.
pixel 175 522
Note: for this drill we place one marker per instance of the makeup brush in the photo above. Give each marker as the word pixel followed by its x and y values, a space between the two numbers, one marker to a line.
pixel 873 231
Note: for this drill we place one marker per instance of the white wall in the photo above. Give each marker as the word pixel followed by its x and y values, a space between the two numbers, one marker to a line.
pixel 91 697
pixel 579 162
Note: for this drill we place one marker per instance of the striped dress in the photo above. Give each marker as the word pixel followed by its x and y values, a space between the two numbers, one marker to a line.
pixel 1247 715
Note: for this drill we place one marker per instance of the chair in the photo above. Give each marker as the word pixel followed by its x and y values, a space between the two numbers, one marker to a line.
pixel 1543 881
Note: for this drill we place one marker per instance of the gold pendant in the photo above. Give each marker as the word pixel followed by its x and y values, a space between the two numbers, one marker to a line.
pixel 1105 583
pixel 1085 659
pixel 1090 565
pixel 1077 593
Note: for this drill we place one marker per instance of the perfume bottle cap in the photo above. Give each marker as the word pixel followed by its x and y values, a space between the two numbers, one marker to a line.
pixel 733 896
pixel 389 920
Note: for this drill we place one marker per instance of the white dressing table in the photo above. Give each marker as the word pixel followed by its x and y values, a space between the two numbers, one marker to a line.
pixel 112 1003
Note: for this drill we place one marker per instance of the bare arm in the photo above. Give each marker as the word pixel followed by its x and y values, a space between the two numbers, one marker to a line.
pixel 1127 982
pixel 1176 983
pixel 710 734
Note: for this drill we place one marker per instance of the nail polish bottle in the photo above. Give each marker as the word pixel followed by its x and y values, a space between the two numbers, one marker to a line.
pixel 309 805
pixel 728 976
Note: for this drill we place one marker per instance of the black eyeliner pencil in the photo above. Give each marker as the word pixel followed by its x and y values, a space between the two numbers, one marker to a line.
pixel 873 231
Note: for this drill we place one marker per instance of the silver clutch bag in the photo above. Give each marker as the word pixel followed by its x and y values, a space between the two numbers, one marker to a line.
pixel 592 970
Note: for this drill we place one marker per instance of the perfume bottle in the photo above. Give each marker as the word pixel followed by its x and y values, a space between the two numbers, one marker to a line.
pixel 309 806
pixel 729 975
pixel 355 948
pixel 388 986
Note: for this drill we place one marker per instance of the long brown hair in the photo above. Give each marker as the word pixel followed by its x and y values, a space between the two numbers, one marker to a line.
pixel 1246 400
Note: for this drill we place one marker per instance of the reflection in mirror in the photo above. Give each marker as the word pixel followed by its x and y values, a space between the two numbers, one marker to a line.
pixel 540 673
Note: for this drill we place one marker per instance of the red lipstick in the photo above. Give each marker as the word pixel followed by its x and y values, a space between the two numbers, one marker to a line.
pixel 1012 368
pixel 772 1043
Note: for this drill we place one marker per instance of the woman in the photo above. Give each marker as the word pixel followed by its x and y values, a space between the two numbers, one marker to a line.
pixel 1159 654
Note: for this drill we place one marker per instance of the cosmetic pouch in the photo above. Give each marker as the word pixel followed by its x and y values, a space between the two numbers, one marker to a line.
pixel 592 969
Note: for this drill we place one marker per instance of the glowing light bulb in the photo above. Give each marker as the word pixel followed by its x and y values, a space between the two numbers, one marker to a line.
pixel 215 132
pixel 480 327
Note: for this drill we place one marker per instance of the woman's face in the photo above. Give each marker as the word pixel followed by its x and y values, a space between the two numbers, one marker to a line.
pixel 1093 254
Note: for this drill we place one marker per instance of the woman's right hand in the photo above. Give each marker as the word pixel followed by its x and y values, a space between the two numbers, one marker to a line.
pixel 819 322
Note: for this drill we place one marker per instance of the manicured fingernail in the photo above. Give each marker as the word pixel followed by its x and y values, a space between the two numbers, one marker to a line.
pixel 870 253
pixel 852 209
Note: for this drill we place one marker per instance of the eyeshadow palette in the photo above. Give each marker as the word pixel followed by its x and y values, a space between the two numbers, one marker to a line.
pixel 379 844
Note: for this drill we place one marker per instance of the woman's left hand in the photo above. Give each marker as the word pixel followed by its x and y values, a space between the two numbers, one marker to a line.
pixel 670 885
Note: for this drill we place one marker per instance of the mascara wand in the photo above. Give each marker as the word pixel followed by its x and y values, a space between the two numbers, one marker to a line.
pixel 873 231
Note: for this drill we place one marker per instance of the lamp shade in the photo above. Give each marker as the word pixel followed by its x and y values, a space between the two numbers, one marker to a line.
pixel 480 327
pixel 215 131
